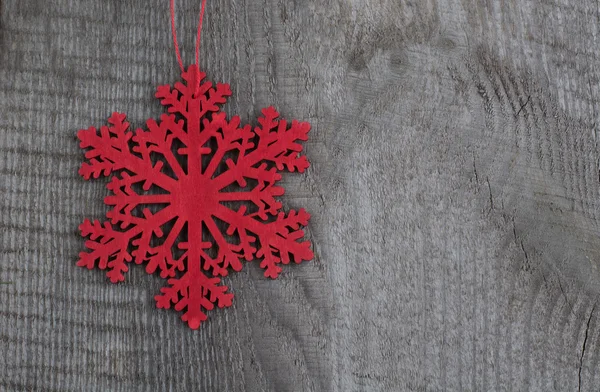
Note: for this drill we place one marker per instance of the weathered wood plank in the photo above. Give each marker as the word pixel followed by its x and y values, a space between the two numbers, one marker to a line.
pixel 454 193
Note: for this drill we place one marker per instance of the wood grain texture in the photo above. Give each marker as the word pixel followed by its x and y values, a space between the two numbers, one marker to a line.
pixel 454 191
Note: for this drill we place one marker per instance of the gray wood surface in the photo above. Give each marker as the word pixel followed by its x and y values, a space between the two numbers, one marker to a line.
pixel 454 190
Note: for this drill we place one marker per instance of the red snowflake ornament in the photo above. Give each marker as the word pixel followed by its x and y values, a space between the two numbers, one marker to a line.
pixel 172 187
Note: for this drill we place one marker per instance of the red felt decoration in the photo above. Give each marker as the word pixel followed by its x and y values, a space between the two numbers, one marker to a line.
pixel 176 184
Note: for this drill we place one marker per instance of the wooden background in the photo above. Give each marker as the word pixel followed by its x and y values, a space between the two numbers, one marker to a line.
pixel 454 190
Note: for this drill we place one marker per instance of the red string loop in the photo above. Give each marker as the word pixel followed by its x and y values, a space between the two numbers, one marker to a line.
pixel 174 32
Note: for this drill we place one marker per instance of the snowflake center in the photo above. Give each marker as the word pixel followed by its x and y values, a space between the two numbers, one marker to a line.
pixel 195 195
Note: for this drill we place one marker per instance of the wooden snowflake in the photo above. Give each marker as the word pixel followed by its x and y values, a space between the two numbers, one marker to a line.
pixel 194 195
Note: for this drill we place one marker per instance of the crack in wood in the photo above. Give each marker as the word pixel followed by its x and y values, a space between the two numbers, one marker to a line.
pixel 522 106
pixel 587 328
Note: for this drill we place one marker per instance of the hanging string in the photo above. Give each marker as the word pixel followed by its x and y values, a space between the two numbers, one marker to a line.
pixel 174 33
pixel 199 30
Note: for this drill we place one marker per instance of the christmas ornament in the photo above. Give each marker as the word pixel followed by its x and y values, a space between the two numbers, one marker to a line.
pixel 194 196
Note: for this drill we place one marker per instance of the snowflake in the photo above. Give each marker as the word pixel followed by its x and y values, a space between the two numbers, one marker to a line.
pixel 194 196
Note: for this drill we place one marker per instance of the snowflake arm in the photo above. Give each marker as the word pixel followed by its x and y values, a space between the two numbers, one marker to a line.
pixel 108 246
pixel 282 237
pixel 160 258
pixel 159 139
pixel 277 144
pixel 125 198
pixel 108 249
pixel 278 239
pixel 104 148
pixel 178 99
pixel 110 150
pixel 193 295
pixel 228 254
